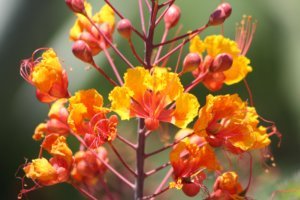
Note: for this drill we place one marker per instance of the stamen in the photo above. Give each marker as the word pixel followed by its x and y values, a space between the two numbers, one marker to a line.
pixel 244 33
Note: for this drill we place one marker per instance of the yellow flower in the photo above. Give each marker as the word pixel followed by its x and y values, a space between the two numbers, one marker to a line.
pixel 215 45
pixel 147 95
pixel 83 106
pixel 227 121
pixel 40 169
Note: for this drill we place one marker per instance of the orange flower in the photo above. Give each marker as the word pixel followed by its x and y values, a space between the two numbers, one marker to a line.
pixel 88 118
pixel 152 96
pixel 84 30
pixel 228 121
pixel 57 122
pixel 189 160
pixel 227 187
pixel 47 75
pixel 57 169
pixel 87 168
pixel 224 61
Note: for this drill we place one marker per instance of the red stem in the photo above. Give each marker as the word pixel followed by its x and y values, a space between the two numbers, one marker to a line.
pixel 84 192
pixel 156 194
pixel 141 11
pixel 166 31
pixel 115 172
pixel 109 42
pixel 131 145
pixel 122 17
pixel 140 158
pixel 99 69
pixel 163 182
pixel 112 64
pixel 135 53
pixel 151 172
pixel 168 146
pixel 121 159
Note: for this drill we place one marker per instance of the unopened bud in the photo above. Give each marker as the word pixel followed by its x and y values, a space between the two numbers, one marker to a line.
pixel 76 6
pixel 82 51
pixel 222 12
pixel 221 63
pixel 172 16
pixel 191 189
pixel 124 27
pixel 191 62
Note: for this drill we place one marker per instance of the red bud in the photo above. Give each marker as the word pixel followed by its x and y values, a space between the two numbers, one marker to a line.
pixel 191 62
pixel 124 27
pixel 82 51
pixel 172 16
pixel 191 189
pixel 221 63
pixel 76 6
pixel 222 12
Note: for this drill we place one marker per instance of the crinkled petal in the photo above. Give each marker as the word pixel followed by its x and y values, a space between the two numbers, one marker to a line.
pixel 216 44
pixel 135 79
pixel 238 71
pixel 120 101
pixel 197 45
pixel 186 110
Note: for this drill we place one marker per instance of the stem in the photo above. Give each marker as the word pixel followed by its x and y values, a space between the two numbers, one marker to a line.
pixel 135 53
pixel 105 186
pixel 121 159
pixel 109 42
pixel 163 182
pixel 99 69
pixel 140 157
pixel 126 142
pixel 84 192
pixel 192 34
pixel 142 16
pixel 112 64
pixel 122 17
pixel 115 172
pixel 168 146
pixel 156 194
pixel 150 36
pixel 151 172
pixel 166 31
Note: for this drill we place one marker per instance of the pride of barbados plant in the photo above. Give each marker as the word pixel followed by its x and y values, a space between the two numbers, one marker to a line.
pixel 150 91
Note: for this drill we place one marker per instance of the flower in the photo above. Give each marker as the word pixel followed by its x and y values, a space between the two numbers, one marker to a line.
pixel 214 46
pixel 88 118
pixel 47 75
pixel 88 169
pixel 151 96
pixel 227 187
pixel 57 169
pixel 227 121
pixel 84 30
pixel 57 122
pixel 189 159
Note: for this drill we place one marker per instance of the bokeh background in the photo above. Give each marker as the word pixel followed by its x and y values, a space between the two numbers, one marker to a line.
pixel 275 56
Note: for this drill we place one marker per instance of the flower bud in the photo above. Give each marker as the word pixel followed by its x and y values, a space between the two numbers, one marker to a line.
pixel 191 189
pixel 82 51
pixel 222 12
pixel 191 62
pixel 124 27
pixel 222 62
pixel 76 6
pixel 172 16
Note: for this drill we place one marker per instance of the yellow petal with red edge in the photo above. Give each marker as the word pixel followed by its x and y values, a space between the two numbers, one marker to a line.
pixel 76 117
pixel 40 169
pixel 55 110
pixel 135 81
pixel 216 44
pixel 238 71
pixel 105 15
pixel 120 98
pixel 186 110
pixel 197 45
pixel 91 99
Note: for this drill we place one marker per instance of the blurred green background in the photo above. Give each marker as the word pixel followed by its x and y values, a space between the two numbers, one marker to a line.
pixel 275 56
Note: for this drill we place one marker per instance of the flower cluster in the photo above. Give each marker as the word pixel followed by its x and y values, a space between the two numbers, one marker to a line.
pixel 152 92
